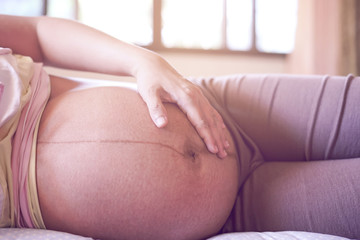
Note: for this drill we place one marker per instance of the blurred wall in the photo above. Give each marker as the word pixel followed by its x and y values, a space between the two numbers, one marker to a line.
pixel 205 65
pixel 196 64
pixel 326 40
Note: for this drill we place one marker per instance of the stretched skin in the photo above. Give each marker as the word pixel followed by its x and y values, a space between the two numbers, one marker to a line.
pixel 105 170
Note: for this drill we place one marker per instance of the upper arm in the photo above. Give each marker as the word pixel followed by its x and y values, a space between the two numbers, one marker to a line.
pixel 20 34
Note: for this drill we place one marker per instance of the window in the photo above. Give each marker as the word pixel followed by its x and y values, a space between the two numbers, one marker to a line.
pixel 127 20
pixel 257 26
pixel 22 7
pixel 192 24
pixel 230 25
pixel 275 25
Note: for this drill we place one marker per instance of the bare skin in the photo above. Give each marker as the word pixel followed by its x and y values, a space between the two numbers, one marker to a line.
pixel 105 170
pixel 71 45
pixel 112 164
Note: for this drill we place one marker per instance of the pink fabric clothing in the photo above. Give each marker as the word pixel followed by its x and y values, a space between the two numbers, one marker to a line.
pixel 1 90
pixel 23 141
pixel 15 75
pixel 1 191
pixel 9 100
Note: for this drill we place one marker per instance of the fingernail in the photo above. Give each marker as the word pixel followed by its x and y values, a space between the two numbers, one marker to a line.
pixel 223 154
pixel 213 149
pixel 160 121
pixel 226 144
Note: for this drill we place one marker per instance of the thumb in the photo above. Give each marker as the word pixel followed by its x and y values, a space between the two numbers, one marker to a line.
pixel 157 110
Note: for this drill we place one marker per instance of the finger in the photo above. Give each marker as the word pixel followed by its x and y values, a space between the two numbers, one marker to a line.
pixel 218 137
pixel 206 120
pixel 217 128
pixel 203 130
pixel 156 109
pixel 213 136
pixel 223 141
pixel 158 114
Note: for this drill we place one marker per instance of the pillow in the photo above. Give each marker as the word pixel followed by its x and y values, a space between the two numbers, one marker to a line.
pixel 287 235
pixel 38 234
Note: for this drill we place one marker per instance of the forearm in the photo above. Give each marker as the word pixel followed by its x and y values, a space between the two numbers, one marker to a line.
pixel 69 44
pixel 20 36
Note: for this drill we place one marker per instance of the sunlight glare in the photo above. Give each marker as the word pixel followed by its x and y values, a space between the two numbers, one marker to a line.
pixel 275 25
pixel 130 21
pixel 192 24
pixel 61 9
pixel 239 24
pixel 21 7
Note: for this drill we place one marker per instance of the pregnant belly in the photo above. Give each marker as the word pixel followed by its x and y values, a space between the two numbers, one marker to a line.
pixel 104 170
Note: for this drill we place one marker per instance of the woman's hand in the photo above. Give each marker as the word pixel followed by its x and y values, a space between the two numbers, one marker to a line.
pixel 158 82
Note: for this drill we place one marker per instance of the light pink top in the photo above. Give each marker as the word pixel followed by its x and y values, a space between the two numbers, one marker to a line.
pixel 22 144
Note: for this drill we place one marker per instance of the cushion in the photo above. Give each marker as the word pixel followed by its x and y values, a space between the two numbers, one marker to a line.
pixel 39 234
pixel 287 235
